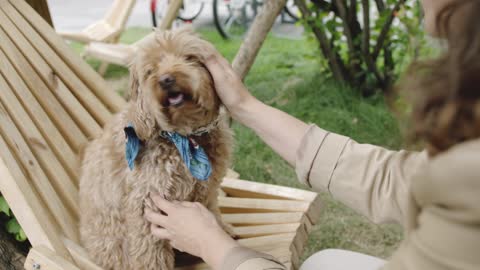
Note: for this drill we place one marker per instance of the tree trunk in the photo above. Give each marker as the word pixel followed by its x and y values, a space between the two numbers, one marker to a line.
pixel 256 36
pixel 10 258
pixel 334 61
pixel 41 7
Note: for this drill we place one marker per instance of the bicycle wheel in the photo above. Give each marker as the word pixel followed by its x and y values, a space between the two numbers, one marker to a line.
pixel 292 10
pixel 153 12
pixel 190 9
pixel 233 17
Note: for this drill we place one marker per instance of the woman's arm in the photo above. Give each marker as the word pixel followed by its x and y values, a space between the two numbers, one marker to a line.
pixel 282 132
pixel 370 179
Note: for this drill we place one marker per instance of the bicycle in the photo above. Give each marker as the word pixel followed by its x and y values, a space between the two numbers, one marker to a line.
pixel 233 17
pixel 188 12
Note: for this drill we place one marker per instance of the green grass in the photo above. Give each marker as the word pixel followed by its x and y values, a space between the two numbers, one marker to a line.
pixel 287 75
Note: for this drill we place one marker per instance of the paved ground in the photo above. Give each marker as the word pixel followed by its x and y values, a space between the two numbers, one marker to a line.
pixel 74 15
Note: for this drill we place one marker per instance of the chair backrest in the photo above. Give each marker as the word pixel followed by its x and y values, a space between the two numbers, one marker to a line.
pixel 117 15
pixel 51 103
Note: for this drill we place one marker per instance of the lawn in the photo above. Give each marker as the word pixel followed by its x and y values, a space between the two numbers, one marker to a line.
pixel 287 75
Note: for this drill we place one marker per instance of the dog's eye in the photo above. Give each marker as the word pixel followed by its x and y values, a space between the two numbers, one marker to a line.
pixel 191 58
pixel 149 72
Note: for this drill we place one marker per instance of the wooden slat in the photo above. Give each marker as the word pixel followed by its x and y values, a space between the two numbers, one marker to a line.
pixel 41 257
pixel 246 205
pixel 86 74
pixel 221 193
pixel 300 240
pixel 261 230
pixel 57 175
pixel 80 101
pixel 119 54
pixel 35 111
pixel 314 210
pixel 50 104
pixel 80 256
pixel 232 174
pixel 41 7
pixel 263 218
pixel 117 16
pixel 295 259
pixel 29 209
pixel 101 31
pixel 242 188
pixel 37 176
pixel 269 240
pixel 75 36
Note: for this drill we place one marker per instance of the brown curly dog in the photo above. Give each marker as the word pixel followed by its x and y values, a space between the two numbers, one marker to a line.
pixel 171 92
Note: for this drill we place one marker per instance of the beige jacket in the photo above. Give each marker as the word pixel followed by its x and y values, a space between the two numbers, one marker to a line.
pixel 436 200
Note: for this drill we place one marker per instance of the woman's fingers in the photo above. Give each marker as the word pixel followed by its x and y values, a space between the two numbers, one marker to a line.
pixel 163 204
pixel 217 64
pixel 213 66
pixel 160 232
pixel 156 218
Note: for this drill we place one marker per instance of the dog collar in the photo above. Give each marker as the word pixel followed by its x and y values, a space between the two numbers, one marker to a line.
pixel 206 129
pixel 192 154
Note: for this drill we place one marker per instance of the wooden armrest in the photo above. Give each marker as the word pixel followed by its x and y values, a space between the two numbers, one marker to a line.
pixel 43 258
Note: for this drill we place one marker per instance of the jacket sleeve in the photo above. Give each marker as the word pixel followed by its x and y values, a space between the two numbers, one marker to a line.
pixel 369 179
pixel 443 228
pixel 241 258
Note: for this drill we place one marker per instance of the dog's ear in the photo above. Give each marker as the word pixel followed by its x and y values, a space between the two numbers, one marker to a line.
pixel 141 120
pixel 134 84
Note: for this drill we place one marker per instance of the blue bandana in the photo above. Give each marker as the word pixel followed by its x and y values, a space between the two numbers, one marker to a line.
pixel 191 153
pixel 132 145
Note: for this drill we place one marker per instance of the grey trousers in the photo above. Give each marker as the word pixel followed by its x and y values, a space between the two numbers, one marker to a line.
pixel 336 259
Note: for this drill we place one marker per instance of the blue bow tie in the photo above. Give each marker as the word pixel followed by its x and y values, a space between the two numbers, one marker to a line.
pixel 192 154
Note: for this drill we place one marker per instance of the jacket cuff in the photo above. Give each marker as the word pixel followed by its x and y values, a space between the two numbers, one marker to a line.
pixel 317 157
pixel 239 255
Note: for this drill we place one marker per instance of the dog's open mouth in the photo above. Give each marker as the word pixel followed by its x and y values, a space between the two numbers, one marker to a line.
pixel 176 99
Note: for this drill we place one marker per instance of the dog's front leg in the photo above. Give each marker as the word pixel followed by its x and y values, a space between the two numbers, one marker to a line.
pixel 145 251
pixel 102 234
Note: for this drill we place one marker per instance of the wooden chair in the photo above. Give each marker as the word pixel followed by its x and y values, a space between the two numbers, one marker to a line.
pixel 107 29
pixel 121 54
pixel 51 103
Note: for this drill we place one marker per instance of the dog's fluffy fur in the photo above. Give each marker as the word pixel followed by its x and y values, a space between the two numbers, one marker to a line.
pixel 113 197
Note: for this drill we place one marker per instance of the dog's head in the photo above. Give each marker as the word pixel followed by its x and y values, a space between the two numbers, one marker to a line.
pixel 170 84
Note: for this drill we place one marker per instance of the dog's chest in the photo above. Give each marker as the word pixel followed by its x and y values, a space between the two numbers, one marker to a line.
pixel 159 168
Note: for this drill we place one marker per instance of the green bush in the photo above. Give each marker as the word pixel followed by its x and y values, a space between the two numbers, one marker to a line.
pixel 365 43
pixel 11 223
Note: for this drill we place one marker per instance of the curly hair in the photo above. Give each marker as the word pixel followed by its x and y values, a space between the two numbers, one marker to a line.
pixel 446 91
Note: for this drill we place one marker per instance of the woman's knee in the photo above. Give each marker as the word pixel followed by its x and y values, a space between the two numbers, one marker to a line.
pixel 336 259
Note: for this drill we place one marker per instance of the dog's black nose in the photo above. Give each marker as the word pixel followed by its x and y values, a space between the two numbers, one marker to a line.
pixel 166 81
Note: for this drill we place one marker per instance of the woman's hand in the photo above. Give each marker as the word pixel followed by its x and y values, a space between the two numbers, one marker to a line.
pixel 282 132
pixel 229 86
pixel 191 228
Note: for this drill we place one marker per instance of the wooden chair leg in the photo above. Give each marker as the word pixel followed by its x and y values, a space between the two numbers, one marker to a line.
pixel 102 69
